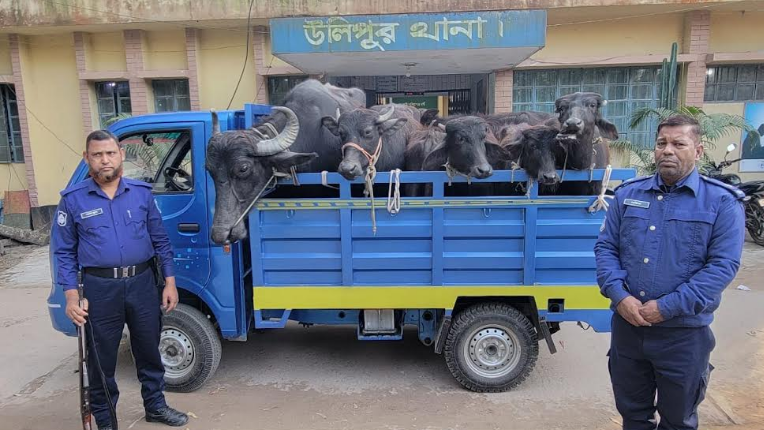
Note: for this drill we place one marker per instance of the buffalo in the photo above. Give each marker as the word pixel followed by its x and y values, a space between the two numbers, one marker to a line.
pixel 379 133
pixel 469 149
pixel 583 138
pixel 242 161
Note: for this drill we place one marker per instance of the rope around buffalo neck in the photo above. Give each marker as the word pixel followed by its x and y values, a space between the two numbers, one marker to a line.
pixel 601 201
pixel 451 173
pixel 276 174
pixel 371 173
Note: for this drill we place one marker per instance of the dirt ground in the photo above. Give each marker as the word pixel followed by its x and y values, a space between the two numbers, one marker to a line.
pixel 322 378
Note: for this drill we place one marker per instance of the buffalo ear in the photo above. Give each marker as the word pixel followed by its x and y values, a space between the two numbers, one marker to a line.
pixel 607 129
pixel 435 160
pixel 285 160
pixel 331 125
pixel 494 151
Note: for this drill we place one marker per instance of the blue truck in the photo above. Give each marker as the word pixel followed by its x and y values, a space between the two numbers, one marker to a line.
pixel 483 280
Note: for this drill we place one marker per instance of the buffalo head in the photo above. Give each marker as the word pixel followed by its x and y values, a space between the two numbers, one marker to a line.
pixel 241 162
pixel 469 148
pixel 534 150
pixel 580 116
pixel 361 128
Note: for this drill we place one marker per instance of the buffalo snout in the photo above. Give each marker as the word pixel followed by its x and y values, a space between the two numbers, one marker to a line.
pixel 573 125
pixel 482 171
pixel 549 178
pixel 350 170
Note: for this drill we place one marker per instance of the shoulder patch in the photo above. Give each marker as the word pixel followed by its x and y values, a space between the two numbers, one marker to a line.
pixel 136 182
pixel 75 187
pixel 632 181
pixel 731 188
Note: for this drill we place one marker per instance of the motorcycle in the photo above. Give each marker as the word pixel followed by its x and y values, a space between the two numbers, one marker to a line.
pixel 754 195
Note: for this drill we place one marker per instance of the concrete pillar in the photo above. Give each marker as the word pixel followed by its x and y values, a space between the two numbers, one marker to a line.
pixel 18 84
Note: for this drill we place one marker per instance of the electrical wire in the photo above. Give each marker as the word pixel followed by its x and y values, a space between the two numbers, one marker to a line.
pixel 246 54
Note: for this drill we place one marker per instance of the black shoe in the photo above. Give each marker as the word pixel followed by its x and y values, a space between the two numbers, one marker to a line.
pixel 105 427
pixel 167 415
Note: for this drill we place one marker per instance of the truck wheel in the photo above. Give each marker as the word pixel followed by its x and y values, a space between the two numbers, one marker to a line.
pixel 190 349
pixel 491 347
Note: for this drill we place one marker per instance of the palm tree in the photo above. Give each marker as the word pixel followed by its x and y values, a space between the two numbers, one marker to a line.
pixel 713 126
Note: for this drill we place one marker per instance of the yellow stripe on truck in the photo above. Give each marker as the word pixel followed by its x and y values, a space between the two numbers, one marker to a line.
pixel 412 297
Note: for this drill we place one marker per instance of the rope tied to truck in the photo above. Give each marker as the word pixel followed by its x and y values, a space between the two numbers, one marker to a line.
pixel 394 192
pixel 601 201
pixel 371 173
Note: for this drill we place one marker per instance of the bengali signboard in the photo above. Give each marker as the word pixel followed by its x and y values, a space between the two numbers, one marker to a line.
pixel 470 30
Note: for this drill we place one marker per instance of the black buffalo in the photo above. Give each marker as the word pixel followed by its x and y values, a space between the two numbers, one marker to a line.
pixel 363 132
pixel 242 161
pixel 584 136
pixel 469 149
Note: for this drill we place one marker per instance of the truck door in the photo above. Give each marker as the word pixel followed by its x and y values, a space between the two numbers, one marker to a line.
pixel 170 156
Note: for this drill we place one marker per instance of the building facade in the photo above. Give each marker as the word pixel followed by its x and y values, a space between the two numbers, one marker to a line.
pixel 67 68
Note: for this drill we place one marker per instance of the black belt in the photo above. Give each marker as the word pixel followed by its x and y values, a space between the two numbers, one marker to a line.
pixel 117 272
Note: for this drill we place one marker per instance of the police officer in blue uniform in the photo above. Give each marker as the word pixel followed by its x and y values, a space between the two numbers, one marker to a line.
pixel 669 246
pixel 110 227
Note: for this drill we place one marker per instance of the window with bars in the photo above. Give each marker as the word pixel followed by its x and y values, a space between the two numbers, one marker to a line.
pixel 171 95
pixel 113 100
pixel 626 89
pixel 11 147
pixel 735 83
pixel 279 86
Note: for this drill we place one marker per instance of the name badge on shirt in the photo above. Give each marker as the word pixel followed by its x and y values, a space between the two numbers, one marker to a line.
pixel 636 203
pixel 92 213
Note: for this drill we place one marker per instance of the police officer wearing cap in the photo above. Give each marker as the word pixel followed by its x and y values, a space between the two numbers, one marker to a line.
pixel 109 226
pixel 669 246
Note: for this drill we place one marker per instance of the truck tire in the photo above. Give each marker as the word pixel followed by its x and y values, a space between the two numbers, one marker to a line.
pixel 491 347
pixel 190 349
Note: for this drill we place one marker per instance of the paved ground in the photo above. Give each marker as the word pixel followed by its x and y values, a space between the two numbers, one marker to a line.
pixel 322 378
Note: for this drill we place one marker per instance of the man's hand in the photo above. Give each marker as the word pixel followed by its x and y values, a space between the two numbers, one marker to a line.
pixel 651 313
pixel 169 294
pixel 73 310
pixel 629 308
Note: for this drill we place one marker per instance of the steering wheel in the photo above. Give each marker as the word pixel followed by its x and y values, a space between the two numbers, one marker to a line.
pixel 173 173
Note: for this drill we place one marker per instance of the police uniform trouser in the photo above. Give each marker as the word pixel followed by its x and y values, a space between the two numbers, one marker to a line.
pixel 112 303
pixel 671 360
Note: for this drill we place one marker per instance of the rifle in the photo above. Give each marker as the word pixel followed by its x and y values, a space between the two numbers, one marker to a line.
pixel 85 412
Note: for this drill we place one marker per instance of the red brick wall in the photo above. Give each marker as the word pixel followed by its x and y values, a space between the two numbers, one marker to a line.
pixel 18 84
pixel 192 49
pixel 698 30
pixel 503 99
pixel 258 47
pixel 139 99
pixel 87 113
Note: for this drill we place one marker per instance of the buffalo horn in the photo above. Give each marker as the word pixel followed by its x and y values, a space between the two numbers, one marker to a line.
pixel 385 116
pixel 284 139
pixel 215 122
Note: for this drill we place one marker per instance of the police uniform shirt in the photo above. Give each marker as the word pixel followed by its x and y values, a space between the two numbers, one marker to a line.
pixel 678 245
pixel 94 231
